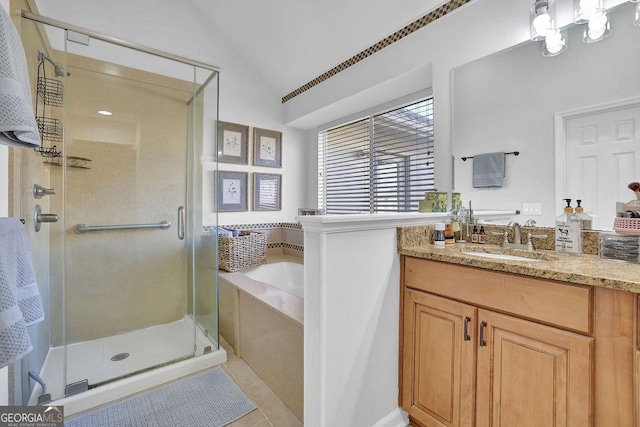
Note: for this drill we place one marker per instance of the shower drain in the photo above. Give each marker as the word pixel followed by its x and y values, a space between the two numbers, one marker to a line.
pixel 120 356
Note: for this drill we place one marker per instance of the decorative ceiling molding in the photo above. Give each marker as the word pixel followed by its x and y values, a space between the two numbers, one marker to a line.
pixel 430 17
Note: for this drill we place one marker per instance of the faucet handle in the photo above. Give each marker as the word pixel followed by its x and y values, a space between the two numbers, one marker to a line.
pixel 530 241
pixel 504 234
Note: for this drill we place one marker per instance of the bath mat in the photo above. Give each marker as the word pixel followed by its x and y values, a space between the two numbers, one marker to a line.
pixel 205 400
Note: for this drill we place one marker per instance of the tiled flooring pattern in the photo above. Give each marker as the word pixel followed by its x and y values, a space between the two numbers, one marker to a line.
pixel 271 411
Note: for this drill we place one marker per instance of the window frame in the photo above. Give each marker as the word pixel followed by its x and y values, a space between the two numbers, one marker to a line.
pixel 404 203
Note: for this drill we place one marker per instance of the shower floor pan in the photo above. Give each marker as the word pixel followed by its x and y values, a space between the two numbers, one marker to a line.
pixel 112 374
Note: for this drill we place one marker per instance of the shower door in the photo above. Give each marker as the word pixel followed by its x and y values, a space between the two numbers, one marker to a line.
pixel 130 283
pixel 129 212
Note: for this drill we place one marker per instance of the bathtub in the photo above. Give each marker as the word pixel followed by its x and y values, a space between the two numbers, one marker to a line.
pixel 262 319
pixel 285 275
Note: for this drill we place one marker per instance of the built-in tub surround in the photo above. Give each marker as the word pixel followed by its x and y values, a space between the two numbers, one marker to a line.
pixel 264 324
pixel 284 238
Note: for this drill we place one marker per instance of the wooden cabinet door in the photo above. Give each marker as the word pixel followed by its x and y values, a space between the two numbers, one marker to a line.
pixel 531 375
pixel 438 360
pixel 636 391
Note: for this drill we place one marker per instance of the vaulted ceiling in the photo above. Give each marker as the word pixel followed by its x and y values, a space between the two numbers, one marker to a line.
pixel 291 42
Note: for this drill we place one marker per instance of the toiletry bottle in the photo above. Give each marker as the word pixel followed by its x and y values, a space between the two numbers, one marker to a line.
pixel 568 232
pixel 448 234
pixel 586 219
pixel 438 234
pixel 482 236
pixel 474 234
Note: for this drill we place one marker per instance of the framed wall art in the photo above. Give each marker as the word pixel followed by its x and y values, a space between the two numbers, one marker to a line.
pixel 267 192
pixel 233 143
pixel 267 148
pixel 231 191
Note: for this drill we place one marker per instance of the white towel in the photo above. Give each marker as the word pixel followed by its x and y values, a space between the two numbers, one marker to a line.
pixel 20 302
pixel 18 127
pixel 488 169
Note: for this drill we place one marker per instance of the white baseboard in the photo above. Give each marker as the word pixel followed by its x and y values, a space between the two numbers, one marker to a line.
pixel 397 418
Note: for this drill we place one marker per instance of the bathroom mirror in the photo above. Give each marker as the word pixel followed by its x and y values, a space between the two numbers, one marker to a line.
pixel 518 100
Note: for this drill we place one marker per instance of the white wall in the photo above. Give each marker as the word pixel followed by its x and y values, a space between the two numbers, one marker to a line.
pixel 522 107
pixel 471 32
pixel 244 96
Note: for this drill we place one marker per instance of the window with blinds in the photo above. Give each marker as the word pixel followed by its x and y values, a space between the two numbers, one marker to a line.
pixel 383 163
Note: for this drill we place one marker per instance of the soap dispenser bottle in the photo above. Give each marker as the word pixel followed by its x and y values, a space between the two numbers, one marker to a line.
pixel 586 219
pixel 568 232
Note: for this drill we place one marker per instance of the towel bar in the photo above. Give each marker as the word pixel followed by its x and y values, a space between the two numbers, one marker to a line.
pixel 83 228
pixel 515 153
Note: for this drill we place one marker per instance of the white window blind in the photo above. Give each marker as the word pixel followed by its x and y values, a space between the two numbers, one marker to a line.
pixel 383 163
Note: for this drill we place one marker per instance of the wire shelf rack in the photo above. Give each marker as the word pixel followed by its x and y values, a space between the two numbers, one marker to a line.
pixel 50 129
pixel 72 162
pixel 51 91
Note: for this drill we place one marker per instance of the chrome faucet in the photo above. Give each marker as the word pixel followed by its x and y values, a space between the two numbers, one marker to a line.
pixel 517 232
pixel 517 238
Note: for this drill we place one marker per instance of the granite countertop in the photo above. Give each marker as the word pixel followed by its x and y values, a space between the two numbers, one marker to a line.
pixel 583 269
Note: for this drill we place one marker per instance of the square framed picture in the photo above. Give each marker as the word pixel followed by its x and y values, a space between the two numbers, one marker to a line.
pixel 267 192
pixel 267 148
pixel 233 143
pixel 231 191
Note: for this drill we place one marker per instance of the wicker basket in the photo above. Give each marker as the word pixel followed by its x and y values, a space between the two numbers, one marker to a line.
pixel 247 250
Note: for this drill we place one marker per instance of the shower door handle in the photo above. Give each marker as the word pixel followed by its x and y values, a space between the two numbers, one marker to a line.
pixel 181 222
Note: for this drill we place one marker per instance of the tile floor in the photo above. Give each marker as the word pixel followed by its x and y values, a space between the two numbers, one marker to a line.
pixel 271 411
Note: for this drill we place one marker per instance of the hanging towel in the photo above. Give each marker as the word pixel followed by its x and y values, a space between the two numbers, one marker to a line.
pixel 488 170
pixel 18 126
pixel 20 302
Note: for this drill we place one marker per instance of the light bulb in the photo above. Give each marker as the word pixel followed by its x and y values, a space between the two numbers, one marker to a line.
pixel 598 27
pixel 584 9
pixel 554 44
pixel 598 21
pixel 542 24
pixel 588 5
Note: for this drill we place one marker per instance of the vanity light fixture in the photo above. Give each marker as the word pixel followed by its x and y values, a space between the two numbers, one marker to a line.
pixel 542 19
pixel 542 15
pixel 105 113
pixel 593 14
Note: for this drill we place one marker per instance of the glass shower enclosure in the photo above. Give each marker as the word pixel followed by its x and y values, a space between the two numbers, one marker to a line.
pixel 128 272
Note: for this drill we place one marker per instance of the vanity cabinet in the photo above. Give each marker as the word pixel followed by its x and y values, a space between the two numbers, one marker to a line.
pixel 439 360
pixel 485 348
pixel 531 375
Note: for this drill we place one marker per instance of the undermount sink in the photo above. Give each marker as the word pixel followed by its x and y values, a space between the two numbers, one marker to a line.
pixel 501 256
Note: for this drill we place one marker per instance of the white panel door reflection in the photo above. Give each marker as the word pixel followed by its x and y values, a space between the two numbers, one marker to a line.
pixel 602 152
